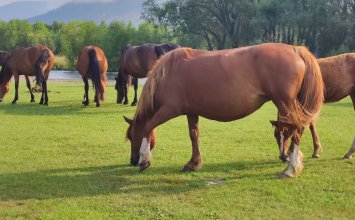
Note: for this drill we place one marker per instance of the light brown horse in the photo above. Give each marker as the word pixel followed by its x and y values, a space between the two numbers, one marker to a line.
pixel 92 64
pixel 338 73
pixel 32 61
pixel 228 85
pixel 136 61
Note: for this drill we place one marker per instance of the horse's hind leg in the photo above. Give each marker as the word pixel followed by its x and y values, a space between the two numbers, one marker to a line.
pixel 28 84
pixel 44 97
pixel 16 77
pixel 195 163
pixel 135 85
pixel 317 146
pixel 295 165
pixel 352 95
pixel 125 89
pixel 97 99
pixel 86 91
pixel 351 151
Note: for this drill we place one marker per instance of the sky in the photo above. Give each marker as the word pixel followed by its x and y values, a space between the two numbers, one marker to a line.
pixel 56 2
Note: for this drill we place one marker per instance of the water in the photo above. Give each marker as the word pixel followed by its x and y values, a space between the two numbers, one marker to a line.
pixel 74 75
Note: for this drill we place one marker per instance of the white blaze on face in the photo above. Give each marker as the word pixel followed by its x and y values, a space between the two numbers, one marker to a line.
pixel 281 142
pixel 144 152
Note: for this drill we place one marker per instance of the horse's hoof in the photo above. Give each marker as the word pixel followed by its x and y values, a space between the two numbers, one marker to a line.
pixel 45 104
pixel 1 100
pixel 125 103
pixel 134 104
pixel 186 169
pixel 143 166
pixel 347 157
pixel 315 156
pixel 97 105
pixel 13 102
pixel 285 176
pixel 32 100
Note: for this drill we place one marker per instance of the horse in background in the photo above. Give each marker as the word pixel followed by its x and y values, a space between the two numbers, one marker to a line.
pixel 242 79
pixel 338 73
pixel 92 64
pixel 351 151
pixel 32 61
pixel 135 62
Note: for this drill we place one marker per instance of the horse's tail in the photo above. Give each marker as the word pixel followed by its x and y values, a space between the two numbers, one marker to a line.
pixel 161 69
pixel 98 80
pixel 44 58
pixel 311 95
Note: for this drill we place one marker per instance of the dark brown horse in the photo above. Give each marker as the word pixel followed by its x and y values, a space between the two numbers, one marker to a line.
pixel 338 73
pixel 135 62
pixel 351 150
pixel 32 61
pixel 92 64
pixel 228 85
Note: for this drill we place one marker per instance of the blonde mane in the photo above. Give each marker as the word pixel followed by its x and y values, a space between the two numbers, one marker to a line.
pixel 161 68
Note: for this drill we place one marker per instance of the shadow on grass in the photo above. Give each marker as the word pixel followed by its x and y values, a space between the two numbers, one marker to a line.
pixel 62 108
pixel 119 179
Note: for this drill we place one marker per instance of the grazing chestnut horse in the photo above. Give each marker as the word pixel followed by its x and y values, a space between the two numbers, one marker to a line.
pixel 227 85
pixel 92 64
pixel 135 62
pixel 338 73
pixel 32 61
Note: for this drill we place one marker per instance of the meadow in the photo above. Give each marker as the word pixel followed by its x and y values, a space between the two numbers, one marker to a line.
pixel 66 161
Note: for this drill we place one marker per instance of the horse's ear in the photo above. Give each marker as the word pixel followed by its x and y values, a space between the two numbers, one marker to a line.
pixel 274 123
pixel 129 121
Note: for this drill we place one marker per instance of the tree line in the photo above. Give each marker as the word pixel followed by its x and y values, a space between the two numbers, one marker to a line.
pixel 327 27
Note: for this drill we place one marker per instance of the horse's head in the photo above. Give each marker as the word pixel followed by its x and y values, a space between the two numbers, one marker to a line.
pixel 283 132
pixel 4 56
pixel 162 49
pixel 135 135
pixel 119 86
pixel 5 77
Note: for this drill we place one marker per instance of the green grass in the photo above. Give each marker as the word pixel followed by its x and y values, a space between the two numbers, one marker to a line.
pixel 66 161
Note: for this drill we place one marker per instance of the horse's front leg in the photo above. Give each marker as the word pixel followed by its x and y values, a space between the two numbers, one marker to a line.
pixel 316 143
pixel 28 84
pixel 16 77
pixel 135 85
pixel 161 116
pixel 125 90
pixel 295 165
pixel 351 151
pixel 195 162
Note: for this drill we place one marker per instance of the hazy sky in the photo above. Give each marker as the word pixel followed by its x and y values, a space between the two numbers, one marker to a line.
pixel 56 2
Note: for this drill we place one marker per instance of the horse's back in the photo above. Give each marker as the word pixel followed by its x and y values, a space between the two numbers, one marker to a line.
pixel 338 74
pixel 223 80
pixel 23 60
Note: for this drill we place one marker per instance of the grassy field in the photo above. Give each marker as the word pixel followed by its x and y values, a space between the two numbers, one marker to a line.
pixel 66 161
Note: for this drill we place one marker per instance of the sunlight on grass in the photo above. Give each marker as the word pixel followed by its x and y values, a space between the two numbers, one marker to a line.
pixel 66 161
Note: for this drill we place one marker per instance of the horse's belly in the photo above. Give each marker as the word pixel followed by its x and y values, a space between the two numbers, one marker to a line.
pixel 229 110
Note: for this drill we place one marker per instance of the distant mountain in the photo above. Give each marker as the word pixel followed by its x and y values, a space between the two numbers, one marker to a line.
pixel 123 10
pixel 25 9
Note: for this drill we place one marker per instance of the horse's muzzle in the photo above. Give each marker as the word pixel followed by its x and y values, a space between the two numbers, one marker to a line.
pixel 284 158
pixel 134 162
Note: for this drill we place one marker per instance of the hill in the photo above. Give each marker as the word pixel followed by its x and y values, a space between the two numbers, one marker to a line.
pixel 123 10
pixel 25 9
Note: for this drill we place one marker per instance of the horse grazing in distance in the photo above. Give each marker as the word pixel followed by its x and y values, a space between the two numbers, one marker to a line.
pixel 92 64
pixel 32 61
pixel 135 62
pixel 242 79
pixel 338 73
